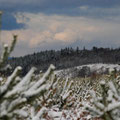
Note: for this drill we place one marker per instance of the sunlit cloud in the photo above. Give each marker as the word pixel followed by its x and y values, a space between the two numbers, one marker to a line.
pixel 48 31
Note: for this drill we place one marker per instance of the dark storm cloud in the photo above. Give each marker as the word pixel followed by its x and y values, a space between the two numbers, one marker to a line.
pixel 60 7
pixel 51 5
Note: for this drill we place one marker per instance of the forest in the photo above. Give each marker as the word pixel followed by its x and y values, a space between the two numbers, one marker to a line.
pixel 65 58
pixel 69 83
pixel 45 96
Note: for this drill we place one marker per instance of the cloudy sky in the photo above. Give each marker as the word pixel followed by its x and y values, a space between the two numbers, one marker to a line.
pixel 55 24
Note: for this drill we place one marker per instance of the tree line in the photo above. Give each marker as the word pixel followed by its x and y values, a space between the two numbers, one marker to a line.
pixel 66 58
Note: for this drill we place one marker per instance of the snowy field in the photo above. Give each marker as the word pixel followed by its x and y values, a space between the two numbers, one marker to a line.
pixel 47 97
pixel 90 68
pixel 60 95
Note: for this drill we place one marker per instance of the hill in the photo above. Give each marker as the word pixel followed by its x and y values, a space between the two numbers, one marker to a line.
pixel 66 58
pixel 89 70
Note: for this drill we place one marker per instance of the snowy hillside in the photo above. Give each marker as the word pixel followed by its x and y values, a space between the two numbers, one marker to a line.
pixel 48 97
pixel 87 70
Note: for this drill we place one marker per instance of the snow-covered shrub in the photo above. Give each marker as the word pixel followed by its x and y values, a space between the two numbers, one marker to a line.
pixel 63 94
pixel 7 51
pixel 106 106
pixel 32 97
pixel 49 97
pixel 17 93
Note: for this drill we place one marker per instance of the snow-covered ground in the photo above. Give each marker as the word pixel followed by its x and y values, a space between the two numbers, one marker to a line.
pixel 59 99
pixel 89 69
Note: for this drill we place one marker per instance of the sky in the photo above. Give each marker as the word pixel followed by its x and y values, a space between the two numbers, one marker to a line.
pixel 55 24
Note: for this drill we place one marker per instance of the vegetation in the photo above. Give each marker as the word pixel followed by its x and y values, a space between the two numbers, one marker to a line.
pixel 66 58
pixel 45 96
pixel 16 92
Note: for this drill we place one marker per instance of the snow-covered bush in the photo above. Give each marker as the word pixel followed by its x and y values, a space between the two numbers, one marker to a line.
pixel 32 97
pixel 49 97
pixel 107 106
pixel 7 51
pixel 16 92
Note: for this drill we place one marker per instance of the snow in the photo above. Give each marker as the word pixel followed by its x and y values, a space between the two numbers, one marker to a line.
pixel 23 84
pixel 5 45
pixel 31 93
pixel 48 99
pixel 55 114
pixel 16 92
pixel 9 81
pixel 113 89
pixel 97 68
pixel 21 113
pixel 39 114
pixel 1 12
pixel 102 82
pixel 113 106
pixel 1 79
pixel 43 79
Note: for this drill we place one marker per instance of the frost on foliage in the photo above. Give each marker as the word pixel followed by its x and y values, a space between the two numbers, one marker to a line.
pixel 82 89
pixel 65 93
pixel 48 97
pixel 16 92
pixel 38 115
pixel 7 51
pixel 56 95
pixel 107 106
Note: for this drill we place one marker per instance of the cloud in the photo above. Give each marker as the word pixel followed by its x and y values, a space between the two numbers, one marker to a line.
pixel 54 24
pixel 16 20
pixel 84 8
pixel 59 3
pixel 104 9
pixel 55 6
pixel 57 31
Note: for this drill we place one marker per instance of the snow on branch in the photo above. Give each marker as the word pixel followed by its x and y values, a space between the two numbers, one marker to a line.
pixel 7 51
pixel 108 105
pixel 15 96
pixel 16 92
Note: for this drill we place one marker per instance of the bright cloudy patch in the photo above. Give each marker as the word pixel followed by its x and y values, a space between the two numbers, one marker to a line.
pixel 57 31
pixel 55 24
pixel 83 7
